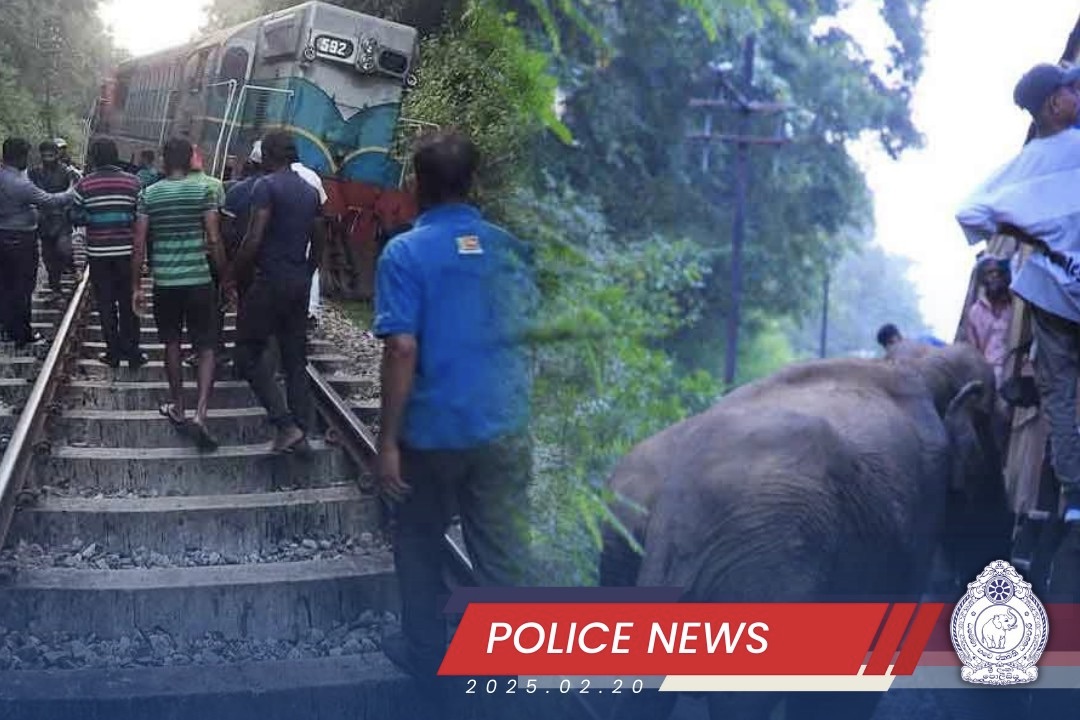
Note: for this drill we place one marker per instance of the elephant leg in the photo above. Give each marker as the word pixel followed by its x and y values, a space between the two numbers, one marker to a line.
pixel 743 706
pixel 832 705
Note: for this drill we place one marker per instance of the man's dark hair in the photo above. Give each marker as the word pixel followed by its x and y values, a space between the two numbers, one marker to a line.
pixel 887 334
pixel 147 156
pixel 278 149
pixel 48 146
pixel 177 155
pixel 103 152
pixel 16 152
pixel 445 163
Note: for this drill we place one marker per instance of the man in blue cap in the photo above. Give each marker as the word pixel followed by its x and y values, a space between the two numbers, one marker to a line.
pixel 1034 197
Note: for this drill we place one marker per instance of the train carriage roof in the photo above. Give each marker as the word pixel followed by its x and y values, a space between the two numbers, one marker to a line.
pixel 218 37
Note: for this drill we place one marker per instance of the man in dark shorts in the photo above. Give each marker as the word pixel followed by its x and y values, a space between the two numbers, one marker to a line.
pixel 285 219
pixel 178 215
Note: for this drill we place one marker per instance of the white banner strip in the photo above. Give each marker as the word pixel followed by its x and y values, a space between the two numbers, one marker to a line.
pixel 777 683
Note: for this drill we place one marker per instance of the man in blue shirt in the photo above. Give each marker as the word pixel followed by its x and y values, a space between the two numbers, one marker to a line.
pixel 452 303
pixel 285 215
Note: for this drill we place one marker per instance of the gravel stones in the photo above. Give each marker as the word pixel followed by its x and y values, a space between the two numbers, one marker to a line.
pixel 77 556
pixel 156 648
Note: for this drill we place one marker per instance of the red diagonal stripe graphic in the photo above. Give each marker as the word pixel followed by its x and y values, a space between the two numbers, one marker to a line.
pixel 917 638
pixel 889 640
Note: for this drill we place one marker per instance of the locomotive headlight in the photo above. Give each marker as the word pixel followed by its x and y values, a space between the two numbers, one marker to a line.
pixel 366 58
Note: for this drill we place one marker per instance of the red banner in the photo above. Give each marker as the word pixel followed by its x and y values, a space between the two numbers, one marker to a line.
pixel 649 639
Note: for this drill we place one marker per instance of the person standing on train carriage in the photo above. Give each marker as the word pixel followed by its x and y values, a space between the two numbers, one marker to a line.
pixel 1033 198
pixel 286 220
pixel 20 201
pixel 311 178
pixel 178 217
pixel 106 201
pixel 990 315
pixel 453 300
pixel 54 228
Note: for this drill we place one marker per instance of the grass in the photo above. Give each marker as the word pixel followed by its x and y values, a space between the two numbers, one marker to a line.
pixel 360 312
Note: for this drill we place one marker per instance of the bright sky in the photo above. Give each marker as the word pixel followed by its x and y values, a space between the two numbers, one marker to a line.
pixel 143 26
pixel 976 50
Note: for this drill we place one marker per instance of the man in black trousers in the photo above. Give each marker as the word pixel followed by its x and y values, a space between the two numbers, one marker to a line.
pixel 20 201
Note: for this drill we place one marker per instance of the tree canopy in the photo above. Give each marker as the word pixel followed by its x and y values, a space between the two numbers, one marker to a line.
pixel 53 54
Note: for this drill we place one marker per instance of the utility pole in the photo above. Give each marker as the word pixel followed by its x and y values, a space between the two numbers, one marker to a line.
pixel 825 316
pixel 742 139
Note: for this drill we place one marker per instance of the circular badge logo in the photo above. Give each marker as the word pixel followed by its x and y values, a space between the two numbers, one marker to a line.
pixel 999 628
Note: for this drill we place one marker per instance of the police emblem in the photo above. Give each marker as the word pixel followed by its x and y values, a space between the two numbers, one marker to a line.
pixel 469 245
pixel 999 628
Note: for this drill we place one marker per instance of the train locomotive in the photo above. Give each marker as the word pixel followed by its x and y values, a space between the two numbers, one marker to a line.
pixel 331 77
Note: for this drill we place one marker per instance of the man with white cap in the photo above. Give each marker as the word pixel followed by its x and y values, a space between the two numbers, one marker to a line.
pixel 1034 198
pixel 237 208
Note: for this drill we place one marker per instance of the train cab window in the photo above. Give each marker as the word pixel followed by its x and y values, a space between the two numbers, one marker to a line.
pixel 234 66
pixel 123 84
pixel 393 62
pixel 281 38
pixel 192 71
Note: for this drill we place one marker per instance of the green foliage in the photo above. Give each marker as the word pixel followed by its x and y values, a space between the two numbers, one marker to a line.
pixel 52 54
pixel 602 385
pixel 480 76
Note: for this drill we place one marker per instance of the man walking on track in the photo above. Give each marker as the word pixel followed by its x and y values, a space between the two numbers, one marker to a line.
pixel 286 219
pixel 453 297
pixel 54 229
pixel 178 217
pixel 106 201
pixel 20 200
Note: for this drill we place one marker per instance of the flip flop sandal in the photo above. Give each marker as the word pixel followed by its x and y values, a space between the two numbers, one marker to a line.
pixel 166 410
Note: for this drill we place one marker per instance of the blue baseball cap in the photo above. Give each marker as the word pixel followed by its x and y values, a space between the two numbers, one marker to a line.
pixel 1040 82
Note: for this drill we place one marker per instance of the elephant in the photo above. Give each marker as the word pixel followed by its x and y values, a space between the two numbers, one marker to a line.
pixel 831 480
pixel 996 627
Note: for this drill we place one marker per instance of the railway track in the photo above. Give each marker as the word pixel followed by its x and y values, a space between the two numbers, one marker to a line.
pixel 141 577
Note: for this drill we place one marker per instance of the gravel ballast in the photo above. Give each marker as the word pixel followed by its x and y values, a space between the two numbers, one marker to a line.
pixel 80 555
pixel 156 648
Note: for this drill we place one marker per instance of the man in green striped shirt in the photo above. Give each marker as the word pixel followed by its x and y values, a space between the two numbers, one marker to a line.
pixel 178 219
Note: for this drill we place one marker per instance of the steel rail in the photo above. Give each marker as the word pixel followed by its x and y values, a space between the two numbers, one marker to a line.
pixel 16 461
pixel 359 442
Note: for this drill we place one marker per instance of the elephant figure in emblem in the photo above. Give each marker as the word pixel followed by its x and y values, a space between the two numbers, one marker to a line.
pixel 996 627
pixel 837 480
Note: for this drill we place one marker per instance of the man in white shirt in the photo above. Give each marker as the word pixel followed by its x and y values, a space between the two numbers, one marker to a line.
pixel 1035 197
pixel 312 178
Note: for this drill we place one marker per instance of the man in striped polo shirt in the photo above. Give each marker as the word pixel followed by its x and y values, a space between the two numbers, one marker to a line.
pixel 178 217
pixel 105 201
